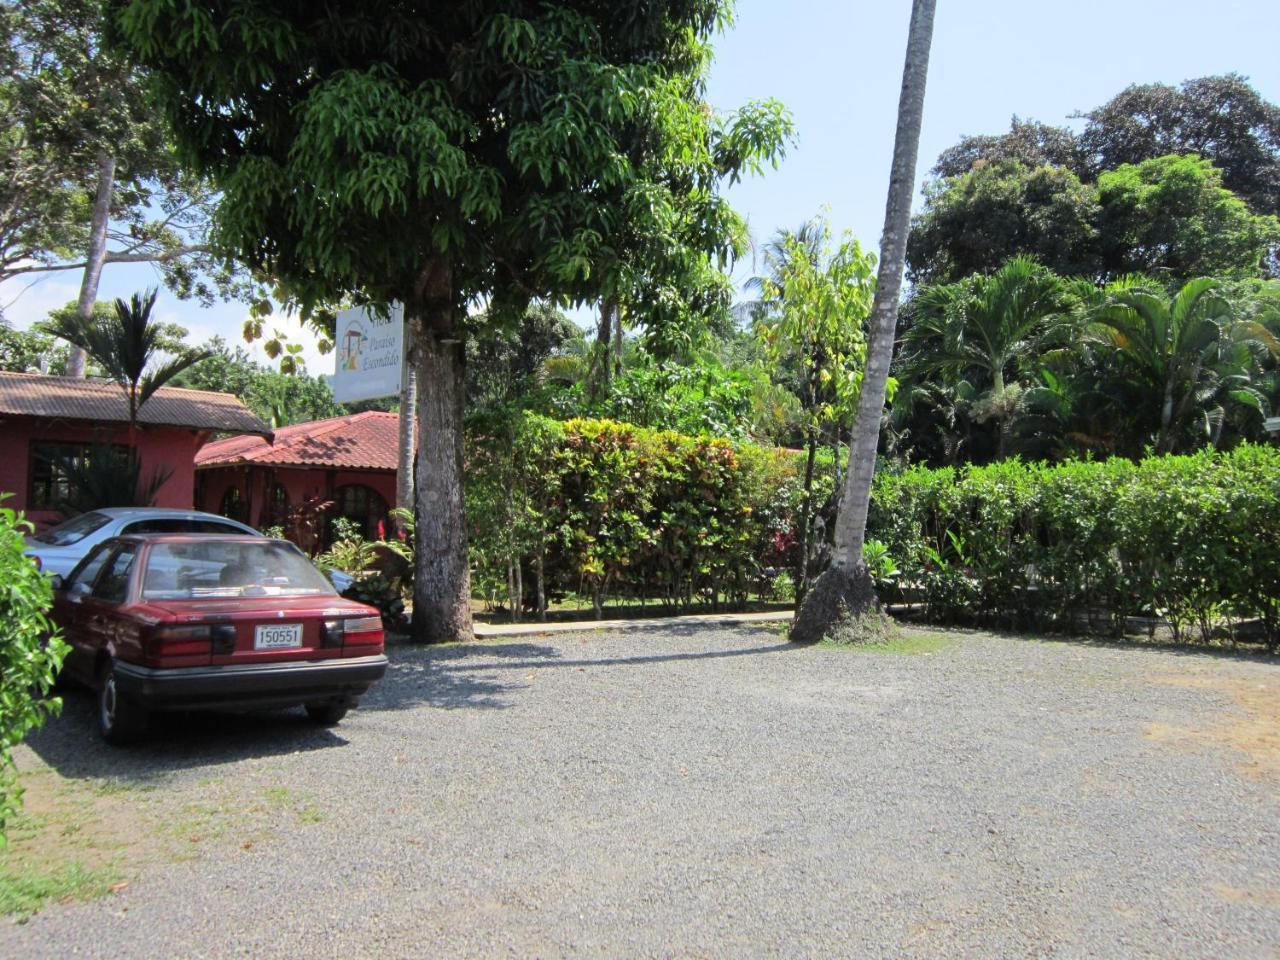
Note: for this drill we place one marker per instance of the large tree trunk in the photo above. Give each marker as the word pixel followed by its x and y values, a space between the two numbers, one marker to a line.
pixel 97 254
pixel 608 342
pixel 540 573
pixel 442 577
pixel 408 421
pixel 845 588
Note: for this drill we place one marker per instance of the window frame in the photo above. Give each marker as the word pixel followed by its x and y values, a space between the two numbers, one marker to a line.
pixel 133 549
pixel 107 548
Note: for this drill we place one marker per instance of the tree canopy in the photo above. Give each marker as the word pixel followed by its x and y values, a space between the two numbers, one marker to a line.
pixel 1171 217
pixel 485 152
pixel 1221 118
pixel 280 399
pixel 974 222
pixel 1168 216
pixel 66 102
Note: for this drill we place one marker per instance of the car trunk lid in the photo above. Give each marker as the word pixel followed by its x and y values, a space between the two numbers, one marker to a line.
pixel 264 629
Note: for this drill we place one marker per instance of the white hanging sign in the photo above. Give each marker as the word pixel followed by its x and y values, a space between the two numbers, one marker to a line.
pixel 370 354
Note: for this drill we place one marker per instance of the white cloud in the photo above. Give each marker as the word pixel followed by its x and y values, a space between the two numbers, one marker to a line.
pixel 25 302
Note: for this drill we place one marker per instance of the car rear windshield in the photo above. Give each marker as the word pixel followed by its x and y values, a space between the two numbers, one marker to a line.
pixel 213 568
pixel 74 530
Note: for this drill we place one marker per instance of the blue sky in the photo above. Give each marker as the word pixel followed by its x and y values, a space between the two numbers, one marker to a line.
pixel 837 65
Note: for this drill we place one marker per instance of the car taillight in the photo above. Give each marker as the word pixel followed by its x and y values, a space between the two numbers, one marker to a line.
pixel 35 557
pixel 176 641
pixel 352 630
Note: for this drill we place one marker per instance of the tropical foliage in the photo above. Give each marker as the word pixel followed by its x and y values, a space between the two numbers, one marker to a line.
pixel 278 398
pixel 1168 216
pixel 128 346
pixel 1222 118
pixel 1111 370
pixel 812 322
pixel 31 651
pixel 1191 540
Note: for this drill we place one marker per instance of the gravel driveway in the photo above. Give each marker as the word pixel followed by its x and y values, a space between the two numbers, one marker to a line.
pixel 693 792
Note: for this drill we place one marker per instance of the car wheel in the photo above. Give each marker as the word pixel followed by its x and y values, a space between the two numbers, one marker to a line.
pixel 327 713
pixel 120 720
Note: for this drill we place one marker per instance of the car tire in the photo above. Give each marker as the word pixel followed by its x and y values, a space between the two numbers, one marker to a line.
pixel 120 720
pixel 327 713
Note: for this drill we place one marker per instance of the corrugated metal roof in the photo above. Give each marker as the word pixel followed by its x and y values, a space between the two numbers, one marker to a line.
pixel 69 398
pixel 361 441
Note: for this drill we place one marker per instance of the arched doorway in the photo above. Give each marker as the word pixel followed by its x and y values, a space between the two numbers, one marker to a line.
pixel 365 507
pixel 277 511
pixel 233 506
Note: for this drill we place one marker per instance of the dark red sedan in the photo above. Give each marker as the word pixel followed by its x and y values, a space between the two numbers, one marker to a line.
pixel 184 622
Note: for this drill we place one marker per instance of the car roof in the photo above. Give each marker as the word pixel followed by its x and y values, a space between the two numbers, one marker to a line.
pixel 159 513
pixel 191 538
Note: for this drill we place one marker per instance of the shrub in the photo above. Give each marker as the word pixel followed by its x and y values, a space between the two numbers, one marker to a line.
pixel 352 554
pixel 604 509
pixel 1194 540
pixel 378 591
pixel 600 509
pixel 31 652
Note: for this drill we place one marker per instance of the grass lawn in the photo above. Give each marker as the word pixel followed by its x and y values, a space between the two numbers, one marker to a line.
pixel 77 839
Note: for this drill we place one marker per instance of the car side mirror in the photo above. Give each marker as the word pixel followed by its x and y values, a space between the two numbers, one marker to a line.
pixel 56 581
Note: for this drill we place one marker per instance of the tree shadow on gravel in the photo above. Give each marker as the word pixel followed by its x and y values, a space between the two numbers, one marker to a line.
pixel 430 676
pixel 526 656
pixel 69 743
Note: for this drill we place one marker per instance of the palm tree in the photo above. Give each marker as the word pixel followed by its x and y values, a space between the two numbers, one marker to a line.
pixel 1187 353
pixel 986 325
pixel 128 347
pixel 810 237
pixel 846 588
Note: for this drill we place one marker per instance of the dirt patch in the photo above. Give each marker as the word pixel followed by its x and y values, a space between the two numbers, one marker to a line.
pixel 1260 896
pixel 76 839
pixel 1251 726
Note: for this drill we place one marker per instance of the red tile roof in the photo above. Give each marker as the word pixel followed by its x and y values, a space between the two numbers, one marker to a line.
pixel 361 441
pixel 69 398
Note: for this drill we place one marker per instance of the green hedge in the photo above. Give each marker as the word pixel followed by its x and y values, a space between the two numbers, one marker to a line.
pixel 1194 540
pixel 605 509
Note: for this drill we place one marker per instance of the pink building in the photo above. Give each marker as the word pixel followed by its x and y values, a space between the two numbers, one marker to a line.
pixel 349 460
pixel 46 420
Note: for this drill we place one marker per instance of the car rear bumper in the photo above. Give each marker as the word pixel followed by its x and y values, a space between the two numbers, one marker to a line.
pixel 248 685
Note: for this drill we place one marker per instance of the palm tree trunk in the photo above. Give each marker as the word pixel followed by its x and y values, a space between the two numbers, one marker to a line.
pixel 847 583
pixel 1165 436
pixel 97 254
pixel 997 387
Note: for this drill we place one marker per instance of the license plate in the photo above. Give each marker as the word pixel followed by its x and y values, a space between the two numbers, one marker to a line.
pixel 277 636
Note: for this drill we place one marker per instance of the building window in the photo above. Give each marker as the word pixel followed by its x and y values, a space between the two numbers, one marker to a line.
pixel 365 507
pixel 233 506
pixel 49 487
pixel 277 506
